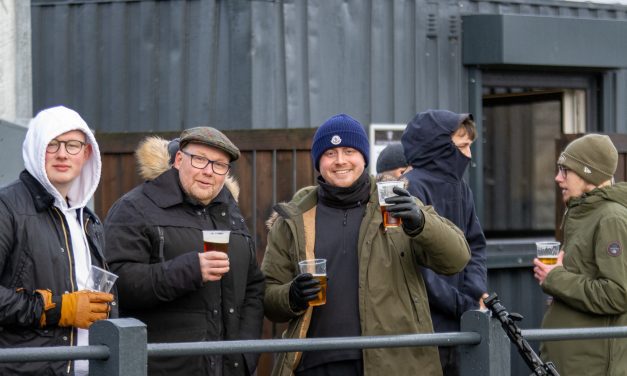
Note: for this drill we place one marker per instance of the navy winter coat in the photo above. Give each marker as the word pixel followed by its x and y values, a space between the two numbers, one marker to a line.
pixel 436 179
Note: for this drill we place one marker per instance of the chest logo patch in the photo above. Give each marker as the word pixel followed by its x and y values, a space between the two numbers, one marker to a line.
pixel 336 140
pixel 614 249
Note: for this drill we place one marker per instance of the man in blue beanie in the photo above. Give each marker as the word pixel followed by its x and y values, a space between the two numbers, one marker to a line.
pixel 437 145
pixel 374 282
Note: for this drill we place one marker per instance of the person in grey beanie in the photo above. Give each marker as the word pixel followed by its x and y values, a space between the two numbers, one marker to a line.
pixel 391 162
pixel 374 284
pixel 588 284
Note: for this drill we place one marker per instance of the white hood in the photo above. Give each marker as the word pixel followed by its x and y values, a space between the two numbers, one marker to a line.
pixel 47 125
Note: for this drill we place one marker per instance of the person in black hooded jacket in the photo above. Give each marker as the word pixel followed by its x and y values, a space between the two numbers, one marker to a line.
pixel 154 242
pixel 437 146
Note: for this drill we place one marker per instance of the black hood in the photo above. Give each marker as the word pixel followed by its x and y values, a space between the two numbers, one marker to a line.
pixel 428 145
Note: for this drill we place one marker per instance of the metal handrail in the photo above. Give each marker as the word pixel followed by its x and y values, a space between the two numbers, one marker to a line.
pixel 37 354
pixel 103 352
pixel 574 333
pixel 311 344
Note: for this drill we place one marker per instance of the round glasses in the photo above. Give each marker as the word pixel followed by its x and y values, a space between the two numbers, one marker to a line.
pixel 201 162
pixel 72 147
pixel 563 170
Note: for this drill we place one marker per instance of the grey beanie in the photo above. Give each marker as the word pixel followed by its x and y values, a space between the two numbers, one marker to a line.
pixel 391 158
pixel 593 157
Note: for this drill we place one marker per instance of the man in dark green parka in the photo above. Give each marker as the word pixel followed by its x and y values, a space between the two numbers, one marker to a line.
pixel 589 282
pixel 375 286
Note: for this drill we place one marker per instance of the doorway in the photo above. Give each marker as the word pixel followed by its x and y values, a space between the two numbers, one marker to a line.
pixel 523 116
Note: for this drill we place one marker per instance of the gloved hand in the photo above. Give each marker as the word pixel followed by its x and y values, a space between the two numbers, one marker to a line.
pixel 303 289
pixel 404 206
pixel 82 308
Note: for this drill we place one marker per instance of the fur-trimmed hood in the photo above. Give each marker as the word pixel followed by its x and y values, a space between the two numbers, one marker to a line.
pixel 153 160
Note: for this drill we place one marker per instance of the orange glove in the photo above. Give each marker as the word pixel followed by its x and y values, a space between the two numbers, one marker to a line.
pixel 48 304
pixel 81 308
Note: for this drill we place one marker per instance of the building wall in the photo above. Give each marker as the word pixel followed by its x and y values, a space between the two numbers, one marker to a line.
pixel 252 64
pixel 15 61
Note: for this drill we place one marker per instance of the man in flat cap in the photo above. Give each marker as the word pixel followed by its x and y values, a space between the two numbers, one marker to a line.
pixel 154 242
pixel 588 283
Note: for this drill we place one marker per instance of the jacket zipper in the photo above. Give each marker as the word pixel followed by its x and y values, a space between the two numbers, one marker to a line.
pixel 69 257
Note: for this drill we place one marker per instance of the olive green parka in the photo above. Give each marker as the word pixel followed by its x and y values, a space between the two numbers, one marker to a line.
pixel 590 289
pixel 392 295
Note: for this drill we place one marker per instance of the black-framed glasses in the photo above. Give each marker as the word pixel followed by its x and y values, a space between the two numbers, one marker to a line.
pixel 72 147
pixel 563 170
pixel 201 162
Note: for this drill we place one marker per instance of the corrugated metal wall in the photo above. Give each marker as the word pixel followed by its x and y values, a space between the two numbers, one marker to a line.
pixel 145 65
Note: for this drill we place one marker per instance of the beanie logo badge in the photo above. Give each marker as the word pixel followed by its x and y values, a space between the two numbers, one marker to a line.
pixel 336 140
pixel 586 170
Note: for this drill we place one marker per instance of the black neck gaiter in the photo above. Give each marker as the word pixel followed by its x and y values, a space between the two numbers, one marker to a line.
pixel 344 197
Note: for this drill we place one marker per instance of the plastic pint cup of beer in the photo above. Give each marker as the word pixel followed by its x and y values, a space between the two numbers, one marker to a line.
pixel 100 279
pixel 548 251
pixel 216 240
pixel 318 269
pixel 385 190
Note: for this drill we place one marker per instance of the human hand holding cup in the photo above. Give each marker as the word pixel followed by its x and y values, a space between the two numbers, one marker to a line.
pixel 318 269
pixel 385 189
pixel 214 260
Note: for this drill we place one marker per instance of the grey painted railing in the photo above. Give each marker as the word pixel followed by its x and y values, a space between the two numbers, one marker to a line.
pixel 118 346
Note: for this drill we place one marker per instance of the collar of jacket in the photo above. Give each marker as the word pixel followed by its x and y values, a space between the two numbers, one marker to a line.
pixel 43 200
pixel 307 197
pixel 165 191
pixel 41 197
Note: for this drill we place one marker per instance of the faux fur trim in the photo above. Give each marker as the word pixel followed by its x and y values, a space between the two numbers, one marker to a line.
pixel 152 157
pixel 270 221
pixel 153 160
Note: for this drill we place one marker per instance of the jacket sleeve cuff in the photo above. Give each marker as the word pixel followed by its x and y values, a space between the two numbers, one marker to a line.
pixel 53 315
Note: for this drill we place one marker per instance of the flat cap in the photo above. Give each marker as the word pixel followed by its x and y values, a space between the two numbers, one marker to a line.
pixel 211 137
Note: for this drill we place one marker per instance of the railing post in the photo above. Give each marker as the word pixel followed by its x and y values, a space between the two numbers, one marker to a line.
pixel 127 342
pixel 491 357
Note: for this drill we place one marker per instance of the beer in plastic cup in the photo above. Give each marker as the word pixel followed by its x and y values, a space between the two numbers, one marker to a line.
pixel 100 279
pixel 216 240
pixel 318 269
pixel 548 251
pixel 385 190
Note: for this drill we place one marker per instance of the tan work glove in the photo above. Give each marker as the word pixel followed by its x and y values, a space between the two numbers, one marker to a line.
pixel 82 308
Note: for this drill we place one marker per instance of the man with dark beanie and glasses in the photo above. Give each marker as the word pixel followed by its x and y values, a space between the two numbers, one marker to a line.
pixel 374 281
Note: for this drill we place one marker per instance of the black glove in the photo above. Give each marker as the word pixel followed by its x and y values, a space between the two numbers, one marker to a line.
pixel 304 288
pixel 404 206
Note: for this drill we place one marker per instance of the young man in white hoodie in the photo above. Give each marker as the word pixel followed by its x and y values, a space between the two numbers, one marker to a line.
pixel 48 241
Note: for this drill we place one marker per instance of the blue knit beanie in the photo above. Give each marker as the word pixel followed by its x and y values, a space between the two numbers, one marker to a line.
pixel 339 131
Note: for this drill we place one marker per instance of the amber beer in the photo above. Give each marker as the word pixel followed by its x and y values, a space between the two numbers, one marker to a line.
pixel 548 260
pixel 388 219
pixel 318 269
pixel 322 295
pixel 385 189
pixel 216 241
pixel 547 252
